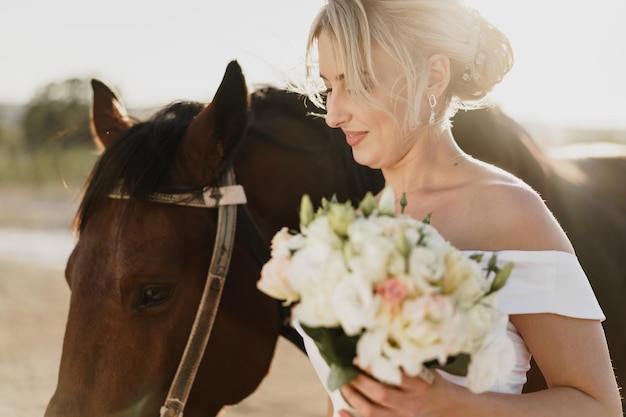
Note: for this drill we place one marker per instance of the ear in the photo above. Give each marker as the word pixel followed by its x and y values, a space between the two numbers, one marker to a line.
pixel 108 115
pixel 438 75
pixel 214 133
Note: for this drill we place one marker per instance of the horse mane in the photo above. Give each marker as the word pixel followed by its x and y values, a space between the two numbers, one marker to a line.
pixel 139 160
pixel 269 102
pixel 275 111
pixel 273 96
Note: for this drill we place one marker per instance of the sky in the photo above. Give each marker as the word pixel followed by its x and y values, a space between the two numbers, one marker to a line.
pixel 570 57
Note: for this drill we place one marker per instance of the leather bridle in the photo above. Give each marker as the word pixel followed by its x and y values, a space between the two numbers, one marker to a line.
pixel 226 196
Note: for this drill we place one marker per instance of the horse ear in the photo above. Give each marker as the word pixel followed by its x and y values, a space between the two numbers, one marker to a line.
pixel 215 131
pixel 108 115
pixel 230 105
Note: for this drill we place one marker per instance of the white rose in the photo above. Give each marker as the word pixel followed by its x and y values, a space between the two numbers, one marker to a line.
pixel 314 272
pixel 369 350
pixel 275 282
pixel 280 242
pixel 433 327
pixel 319 231
pixel 315 310
pixel 313 265
pixel 433 239
pixel 361 230
pixel 385 371
pixel 354 304
pixel 412 232
pixel 371 251
pixel 464 278
pixel 385 225
pixel 480 319
pixel 427 266
pixel 396 264
pixel 495 359
pixel 370 346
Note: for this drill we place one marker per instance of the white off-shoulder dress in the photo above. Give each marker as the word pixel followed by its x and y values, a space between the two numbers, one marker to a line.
pixel 541 282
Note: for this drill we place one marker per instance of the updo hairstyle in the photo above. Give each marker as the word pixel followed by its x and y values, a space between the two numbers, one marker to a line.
pixel 411 31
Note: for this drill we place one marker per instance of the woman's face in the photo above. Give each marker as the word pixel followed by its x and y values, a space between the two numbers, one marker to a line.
pixel 372 132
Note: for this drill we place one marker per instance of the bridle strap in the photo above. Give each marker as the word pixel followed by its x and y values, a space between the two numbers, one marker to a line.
pixel 207 310
pixel 211 197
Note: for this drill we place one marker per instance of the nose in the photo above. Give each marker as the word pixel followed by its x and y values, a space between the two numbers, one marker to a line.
pixel 337 110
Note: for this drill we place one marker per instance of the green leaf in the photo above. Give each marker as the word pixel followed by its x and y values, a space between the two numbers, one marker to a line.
pixel 492 263
pixel 502 276
pixel 456 365
pixel 427 218
pixel 341 375
pixel 335 346
pixel 477 257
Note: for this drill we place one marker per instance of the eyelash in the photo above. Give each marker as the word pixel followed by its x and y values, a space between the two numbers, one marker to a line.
pixel 325 93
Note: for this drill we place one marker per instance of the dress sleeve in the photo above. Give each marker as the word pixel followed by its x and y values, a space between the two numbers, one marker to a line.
pixel 546 282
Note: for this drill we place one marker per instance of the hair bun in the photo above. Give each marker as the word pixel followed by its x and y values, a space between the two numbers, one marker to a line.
pixel 491 61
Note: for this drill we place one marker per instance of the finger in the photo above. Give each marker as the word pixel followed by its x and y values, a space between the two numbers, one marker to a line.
pixel 375 391
pixel 359 402
pixel 418 383
pixel 426 374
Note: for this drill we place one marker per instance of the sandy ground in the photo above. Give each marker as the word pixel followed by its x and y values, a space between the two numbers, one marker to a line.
pixel 33 307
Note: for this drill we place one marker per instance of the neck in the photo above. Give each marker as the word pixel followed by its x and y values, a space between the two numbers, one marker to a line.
pixel 428 165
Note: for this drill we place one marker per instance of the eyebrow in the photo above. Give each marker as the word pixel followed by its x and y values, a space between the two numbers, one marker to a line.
pixel 340 77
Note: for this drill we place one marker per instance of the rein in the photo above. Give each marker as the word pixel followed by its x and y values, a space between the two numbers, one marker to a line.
pixel 226 197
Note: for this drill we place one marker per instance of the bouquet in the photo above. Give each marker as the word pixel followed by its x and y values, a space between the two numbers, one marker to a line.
pixel 388 290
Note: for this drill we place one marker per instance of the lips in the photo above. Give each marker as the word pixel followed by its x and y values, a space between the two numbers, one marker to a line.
pixel 353 138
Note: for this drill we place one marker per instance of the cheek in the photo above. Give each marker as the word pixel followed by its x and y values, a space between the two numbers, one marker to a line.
pixel 387 124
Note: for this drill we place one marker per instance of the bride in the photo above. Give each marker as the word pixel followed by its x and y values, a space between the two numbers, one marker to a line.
pixel 394 72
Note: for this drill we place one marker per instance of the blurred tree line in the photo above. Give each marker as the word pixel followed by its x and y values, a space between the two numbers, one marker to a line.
pixel 57 115
pixel 49 139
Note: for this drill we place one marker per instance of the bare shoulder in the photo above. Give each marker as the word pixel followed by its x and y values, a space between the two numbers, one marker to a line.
pixel 510 214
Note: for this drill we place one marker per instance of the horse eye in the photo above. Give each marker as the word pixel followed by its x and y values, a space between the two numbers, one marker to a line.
pixel 153 295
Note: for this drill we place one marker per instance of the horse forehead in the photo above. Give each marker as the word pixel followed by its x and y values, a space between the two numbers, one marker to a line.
pixel 147 236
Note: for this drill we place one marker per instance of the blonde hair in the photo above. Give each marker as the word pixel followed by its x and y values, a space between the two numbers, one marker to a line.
pixel 411 31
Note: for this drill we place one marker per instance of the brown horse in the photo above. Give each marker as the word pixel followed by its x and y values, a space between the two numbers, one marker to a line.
pixel 139 266
pixel 585 194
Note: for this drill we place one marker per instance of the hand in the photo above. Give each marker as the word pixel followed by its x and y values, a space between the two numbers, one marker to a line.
pixel 414 397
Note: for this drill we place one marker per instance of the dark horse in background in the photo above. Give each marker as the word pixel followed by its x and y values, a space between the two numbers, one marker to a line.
pixel 138 268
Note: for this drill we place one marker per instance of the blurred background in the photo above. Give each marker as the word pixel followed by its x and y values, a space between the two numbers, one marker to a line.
pixel 567 86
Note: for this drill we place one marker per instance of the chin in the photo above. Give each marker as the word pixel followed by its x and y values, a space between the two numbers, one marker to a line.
pixel 366 159
pixel 365 162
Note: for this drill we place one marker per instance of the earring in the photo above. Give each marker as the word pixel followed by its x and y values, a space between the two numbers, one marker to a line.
pixel 432 102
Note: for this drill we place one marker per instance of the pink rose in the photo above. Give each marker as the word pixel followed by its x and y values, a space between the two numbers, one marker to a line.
pixel 393 292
